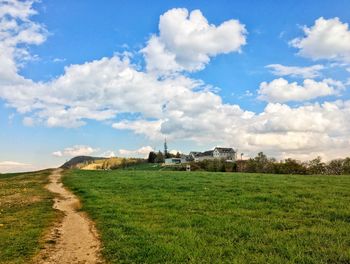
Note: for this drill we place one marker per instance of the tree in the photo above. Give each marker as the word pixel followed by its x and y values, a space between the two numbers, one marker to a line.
pixel 346 166
pixel 152 157
pixel 160 157
pixel 316 166
pixel 335 167
pixel 261 162
pixel 250 166
pixel 291 166
pixel 178 155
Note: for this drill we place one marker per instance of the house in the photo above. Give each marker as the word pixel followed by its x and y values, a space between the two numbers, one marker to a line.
pixel 193 154
pixel 204 155
pixel 224 153
pixel 218 153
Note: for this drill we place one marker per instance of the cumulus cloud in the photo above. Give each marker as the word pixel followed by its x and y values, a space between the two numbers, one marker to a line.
pixel 186 41
pixel 17 31
pixel 315 128
pixel 142 127
pixel 326 39
pixel 138 153
pixel 77 150
pixel 280 90
pixel 294 71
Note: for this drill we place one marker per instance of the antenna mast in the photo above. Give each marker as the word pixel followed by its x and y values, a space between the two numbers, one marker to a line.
pixel 165 149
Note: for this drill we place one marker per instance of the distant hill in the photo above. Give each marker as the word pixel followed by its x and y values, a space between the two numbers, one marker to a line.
pixel 111 163
pixel 79 161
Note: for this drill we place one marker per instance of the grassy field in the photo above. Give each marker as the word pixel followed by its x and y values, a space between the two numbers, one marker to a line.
pixel 201 217
pixel 25 214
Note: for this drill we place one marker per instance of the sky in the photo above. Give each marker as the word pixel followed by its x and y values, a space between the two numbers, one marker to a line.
pixel 116 79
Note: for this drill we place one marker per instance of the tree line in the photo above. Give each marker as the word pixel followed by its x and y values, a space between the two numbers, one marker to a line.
pixel 159 157
pixel 263 164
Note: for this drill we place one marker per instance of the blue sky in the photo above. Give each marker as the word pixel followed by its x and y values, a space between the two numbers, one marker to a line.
pixel 81 77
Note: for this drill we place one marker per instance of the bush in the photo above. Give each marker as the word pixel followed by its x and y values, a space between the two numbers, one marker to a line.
pixel 214 165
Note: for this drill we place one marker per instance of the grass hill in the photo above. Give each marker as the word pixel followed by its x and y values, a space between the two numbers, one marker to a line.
pixel 80 161
pixel 97 163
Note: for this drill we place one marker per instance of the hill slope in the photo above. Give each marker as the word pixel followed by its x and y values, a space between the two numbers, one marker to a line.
pixel 79 161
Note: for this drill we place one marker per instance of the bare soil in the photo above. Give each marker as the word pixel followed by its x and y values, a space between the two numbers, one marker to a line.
pixel 74 239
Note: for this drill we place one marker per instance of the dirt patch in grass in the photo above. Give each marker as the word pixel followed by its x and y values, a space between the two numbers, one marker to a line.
pixel 74 239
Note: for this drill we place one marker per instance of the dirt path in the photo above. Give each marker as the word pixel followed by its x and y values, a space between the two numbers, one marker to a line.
pixel 75 239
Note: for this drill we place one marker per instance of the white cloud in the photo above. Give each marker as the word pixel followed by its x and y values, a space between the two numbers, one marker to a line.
pixel 77 150
pixel 186 41
pixel 280 90
pixel 138 153
pixel 326 39
pixel 248 93
pixel 293 71
pixel 143 127
pixel 174 151
pixel 13 163
pixel 57 153
pixel 108 154
pixel 17 9
pixel 58 60
pixel 278 130
pixel 14 166
pixel 303 131
pixel 16 32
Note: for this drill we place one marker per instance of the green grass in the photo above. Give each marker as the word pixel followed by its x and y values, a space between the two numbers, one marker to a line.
pixel 145 166
pixel 25 214
pixel 202 217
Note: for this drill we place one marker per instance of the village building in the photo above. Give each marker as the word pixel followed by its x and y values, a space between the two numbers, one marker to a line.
pixel 203 155
pixel 224 153
pixel 228 154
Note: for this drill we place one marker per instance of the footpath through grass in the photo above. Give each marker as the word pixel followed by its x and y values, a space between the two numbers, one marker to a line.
pixel 25 214
pixel 201 217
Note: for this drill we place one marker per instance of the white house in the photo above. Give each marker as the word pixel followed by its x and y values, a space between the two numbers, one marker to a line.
pixel 224 153
pixel 217 153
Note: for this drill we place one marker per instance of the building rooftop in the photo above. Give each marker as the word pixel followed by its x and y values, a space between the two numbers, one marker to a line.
pixel 224 150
